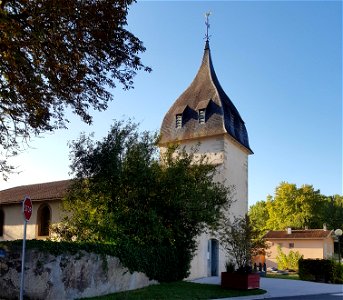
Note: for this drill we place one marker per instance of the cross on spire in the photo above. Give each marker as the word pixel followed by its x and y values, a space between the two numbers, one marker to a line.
pixel 207 23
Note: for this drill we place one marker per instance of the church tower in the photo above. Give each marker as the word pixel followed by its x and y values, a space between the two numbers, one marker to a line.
pixel 204 114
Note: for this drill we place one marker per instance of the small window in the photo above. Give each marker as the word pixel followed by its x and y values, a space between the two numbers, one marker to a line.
pixel 202 113
pixel 291 245
pixel 232 122
pixel 2 221
pixel 178 120
pixel 44 220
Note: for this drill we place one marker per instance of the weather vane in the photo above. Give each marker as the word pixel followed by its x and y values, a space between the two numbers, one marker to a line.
pixel 207 23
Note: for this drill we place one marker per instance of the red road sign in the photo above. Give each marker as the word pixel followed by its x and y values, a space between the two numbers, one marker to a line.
pixel 27 208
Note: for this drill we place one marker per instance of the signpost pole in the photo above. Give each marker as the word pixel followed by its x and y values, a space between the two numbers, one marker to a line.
pixel 27 211
pixel 23 263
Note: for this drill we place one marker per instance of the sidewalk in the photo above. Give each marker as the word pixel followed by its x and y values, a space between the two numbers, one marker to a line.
pixel 283 287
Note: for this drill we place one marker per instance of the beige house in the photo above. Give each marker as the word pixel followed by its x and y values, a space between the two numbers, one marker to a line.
pixel 203 113
pixel 46 201
pixel 311 243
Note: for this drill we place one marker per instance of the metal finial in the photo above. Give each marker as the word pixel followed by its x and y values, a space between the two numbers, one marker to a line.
pixel 207 23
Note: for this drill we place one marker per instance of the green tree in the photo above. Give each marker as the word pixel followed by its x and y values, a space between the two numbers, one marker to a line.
pixel 258 215
pixel 294 207
pixel 332 216
pixel 297 208
pixel 152 208
pixel 56 55
pixel 332 212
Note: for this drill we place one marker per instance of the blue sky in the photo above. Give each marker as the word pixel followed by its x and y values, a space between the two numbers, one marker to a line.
pixel 280 62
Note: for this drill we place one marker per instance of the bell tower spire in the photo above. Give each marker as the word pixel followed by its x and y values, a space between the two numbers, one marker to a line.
pixel 207 23
pixel 204 118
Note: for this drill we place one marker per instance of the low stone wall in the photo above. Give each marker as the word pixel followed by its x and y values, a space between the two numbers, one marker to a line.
pixel 66 276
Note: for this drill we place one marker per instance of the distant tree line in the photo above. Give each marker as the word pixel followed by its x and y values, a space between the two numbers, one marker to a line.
pixel 298 208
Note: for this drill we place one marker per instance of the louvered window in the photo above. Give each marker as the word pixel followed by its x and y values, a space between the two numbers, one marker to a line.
pixel 202 115
pixel 178 121
pixel 232 122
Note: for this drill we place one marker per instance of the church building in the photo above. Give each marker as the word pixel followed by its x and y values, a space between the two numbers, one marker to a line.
pixel 205 115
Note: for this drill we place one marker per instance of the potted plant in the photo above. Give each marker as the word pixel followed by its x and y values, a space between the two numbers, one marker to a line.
pixel 239 240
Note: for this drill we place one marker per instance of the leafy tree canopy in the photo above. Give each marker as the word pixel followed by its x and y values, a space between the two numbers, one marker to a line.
pixel 56 55
pixel 151 207
pixel 297 208
pixel 258 215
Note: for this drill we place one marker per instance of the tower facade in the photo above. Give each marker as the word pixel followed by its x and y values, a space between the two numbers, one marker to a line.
pixel 204 114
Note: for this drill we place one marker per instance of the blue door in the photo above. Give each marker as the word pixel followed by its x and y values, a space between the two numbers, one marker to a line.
pixel 213 257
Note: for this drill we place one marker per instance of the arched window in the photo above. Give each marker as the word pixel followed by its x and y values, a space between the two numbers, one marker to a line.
pixel 43 220
pixel 2 221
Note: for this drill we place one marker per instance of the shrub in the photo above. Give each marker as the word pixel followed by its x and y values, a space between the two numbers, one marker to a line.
pixel 161 261
pixel 289 261
pixel 57 248
pixel 323 270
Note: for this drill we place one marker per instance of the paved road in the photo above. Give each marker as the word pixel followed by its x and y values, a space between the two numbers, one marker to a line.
pixel 335 296
pixel 292 289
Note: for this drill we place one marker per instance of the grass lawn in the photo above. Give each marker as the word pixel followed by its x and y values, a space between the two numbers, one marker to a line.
pixel 279 276
pixel 179 290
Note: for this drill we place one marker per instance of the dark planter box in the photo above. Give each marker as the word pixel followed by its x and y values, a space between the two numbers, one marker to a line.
pixel 236 281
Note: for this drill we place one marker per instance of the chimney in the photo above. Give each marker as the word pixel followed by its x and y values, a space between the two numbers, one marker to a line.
pixel 306 227
pixel 289 230
pixel 324 227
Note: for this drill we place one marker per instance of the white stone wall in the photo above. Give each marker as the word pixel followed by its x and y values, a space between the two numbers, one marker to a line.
pixel 66 276
pixel 235 172
pixel 199 263
pixel 232 161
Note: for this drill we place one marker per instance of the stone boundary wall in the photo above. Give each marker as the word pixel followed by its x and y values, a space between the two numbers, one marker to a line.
pixel 66 276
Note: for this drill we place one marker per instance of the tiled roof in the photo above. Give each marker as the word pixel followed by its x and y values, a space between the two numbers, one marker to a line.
pixel 222 117
pixel 37 192
pixel 298 234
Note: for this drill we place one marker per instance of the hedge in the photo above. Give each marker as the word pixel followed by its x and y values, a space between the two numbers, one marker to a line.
pixel 58 248
pixel 322 270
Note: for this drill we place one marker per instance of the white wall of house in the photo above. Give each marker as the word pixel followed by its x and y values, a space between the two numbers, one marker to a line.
pixel 14 220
